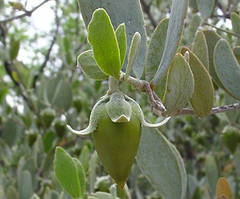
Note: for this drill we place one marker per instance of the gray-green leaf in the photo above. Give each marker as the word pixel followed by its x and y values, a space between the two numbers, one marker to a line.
pixel 206 7
pixel 161 163
pixel 227 68
pixel 89 66
pixel 122 41
pixel 174 33
pixel 155 49
pixel 180 85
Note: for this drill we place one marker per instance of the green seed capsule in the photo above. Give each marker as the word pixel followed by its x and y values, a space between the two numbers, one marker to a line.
pixel 115 123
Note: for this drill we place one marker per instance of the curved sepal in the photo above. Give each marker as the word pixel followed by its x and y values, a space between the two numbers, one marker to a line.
pixel 139 113
pixel 97 112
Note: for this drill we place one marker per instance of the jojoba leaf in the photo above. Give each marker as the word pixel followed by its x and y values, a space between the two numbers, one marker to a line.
pixel 122 41
pixel 236 51
pixel 203 96
pixel 206 7
pixel 180 85
pixel 174 34
pixel 227 68
pixel 66 172
pixel 124 11
pixel 102 38
pixel 155 49
pixel 161 163
pixel 133 52
pixel 235 18
pixel 200 49
pixel 14 48
pixel 224 189
pixel 89 66
pixel 212 38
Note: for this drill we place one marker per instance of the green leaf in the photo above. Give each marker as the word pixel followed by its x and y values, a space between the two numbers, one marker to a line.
pixel 102 195
pixel 174 34
pixel 206 7
pixel 124 11
pixel 180 85
pixel 211 170
pixel 212 38
pixel 58 93
pixel 89 66
pixel 227 68
pixel 203 96
pixel 155 49
pixel 200 49
pixel 122 41
pixel 233 116
pixel 48 139
pixel 85 157
pixel 25 186
pixel 133 52
pixel 237 162
pixel 92 171
pixel 14 48
pixel 11 131
pixel 161 163
pixel 67 173
pixel 193 27
pixel 235 18
pixel 81 175
pixel 103 40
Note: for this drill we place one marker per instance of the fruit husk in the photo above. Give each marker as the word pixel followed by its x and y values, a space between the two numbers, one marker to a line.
pixel 117 145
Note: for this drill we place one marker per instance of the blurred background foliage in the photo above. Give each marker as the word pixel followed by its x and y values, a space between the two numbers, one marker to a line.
pixel 42 90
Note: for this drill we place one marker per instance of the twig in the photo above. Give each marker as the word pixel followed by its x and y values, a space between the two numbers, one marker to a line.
pixel 146 9
pixel 223 30
pixel 26 13
pixel 47 56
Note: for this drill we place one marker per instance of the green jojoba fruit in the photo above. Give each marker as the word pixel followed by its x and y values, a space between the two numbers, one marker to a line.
pixel 115 123
pixel 47 116
pixel 231 138
pixel 77 103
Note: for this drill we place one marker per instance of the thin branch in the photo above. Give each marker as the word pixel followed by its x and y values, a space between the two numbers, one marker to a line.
pixel 146 9
pixel 26 13
pixel 159 108
pixel 219 109
pixel 223 30
pixel 47 56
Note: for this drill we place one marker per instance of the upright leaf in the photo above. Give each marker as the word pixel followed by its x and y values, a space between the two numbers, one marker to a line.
pixel 124 11
pixel 206 7
pixel 14 48
pixel 193 27
pixel 236 51
pixel 133 52
pixel 203 96
pixel 174 33
pixel 212 38
pixel 161 163
pixel 227 68
pixel 180 85
pixel 81 175
pixel 235 18
pixel 122 41
pixel 155 49
pixel 25 185
pixel 101 36
pixel 89 66
pixel 66 172
pixel 211 170
pixel 200 49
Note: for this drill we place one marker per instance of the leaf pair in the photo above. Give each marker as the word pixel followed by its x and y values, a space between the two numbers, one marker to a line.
pixel 108 48
pixel 69 173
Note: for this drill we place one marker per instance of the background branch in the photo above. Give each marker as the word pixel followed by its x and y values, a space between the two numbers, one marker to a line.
pixel 26 13
pixel 147 9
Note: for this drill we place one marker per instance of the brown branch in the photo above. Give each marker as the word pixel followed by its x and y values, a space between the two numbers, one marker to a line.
pixel 26 13
pixel 47 56
pixel 147 10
